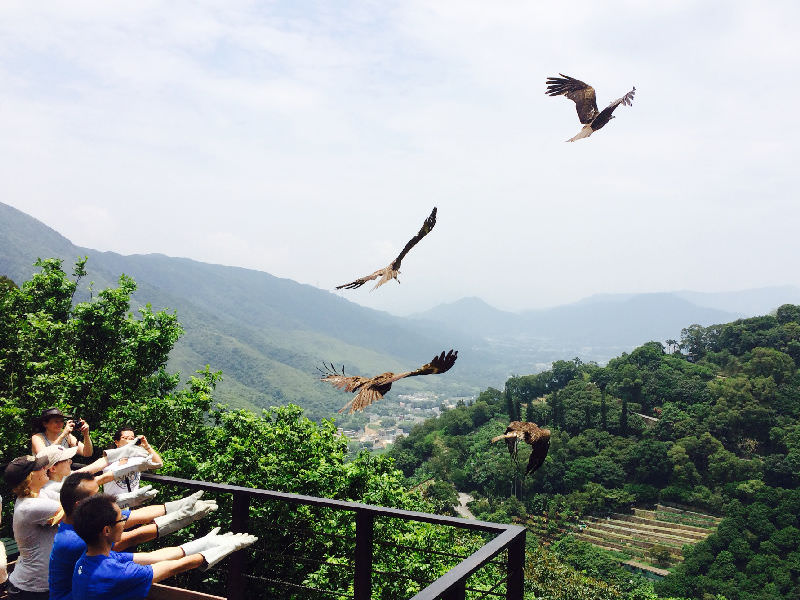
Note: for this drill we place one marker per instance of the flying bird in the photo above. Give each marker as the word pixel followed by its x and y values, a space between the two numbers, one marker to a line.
pixel 393 270
pixel 373 389
pixel 582 94
pixel 533 435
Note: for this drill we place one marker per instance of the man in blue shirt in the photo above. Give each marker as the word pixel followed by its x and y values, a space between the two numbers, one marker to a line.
pixel 153 521
pixel 103 574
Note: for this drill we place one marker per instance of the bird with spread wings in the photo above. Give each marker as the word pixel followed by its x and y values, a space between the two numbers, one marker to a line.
pixel 582 94
pixel 393 270
pixel 372 389
pixel 533 435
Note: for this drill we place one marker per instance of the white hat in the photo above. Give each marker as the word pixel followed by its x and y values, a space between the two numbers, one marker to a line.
pixel 56 453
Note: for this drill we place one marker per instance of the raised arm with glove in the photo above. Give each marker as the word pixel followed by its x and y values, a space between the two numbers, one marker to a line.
pixel 214 547
pixel 127 451
pixel 137 497
pixel 135 463
pixel 186 514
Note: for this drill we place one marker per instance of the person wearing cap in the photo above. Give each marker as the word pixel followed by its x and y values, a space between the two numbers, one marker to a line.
pixel 59 467
pixel 59 462
pixel 33 525
pixel 55 428
pixel 149 523
pixel 104 574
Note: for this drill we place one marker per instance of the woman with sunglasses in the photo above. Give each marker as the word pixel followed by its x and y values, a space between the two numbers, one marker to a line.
pixel 34 528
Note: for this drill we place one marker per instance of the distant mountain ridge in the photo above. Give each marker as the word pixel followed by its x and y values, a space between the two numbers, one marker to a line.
pixel 619 321
pixel 268 334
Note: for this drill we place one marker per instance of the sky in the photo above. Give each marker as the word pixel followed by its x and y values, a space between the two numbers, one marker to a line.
pixel 311 139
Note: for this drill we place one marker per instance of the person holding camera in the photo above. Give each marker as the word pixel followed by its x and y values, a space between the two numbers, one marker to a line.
pixel 129 482
pixel 55 428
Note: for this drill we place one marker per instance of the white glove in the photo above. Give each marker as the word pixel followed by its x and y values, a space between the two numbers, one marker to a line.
pixel 126 451
pixel 183 517
pixel 137 497
pixel 231 543
pixel 134 464
pixel 174 505
pixel 209 540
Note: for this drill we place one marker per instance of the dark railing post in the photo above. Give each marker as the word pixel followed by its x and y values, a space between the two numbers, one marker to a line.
pixel 240 516
pixel 458 591
pixel 515 573
pixel 362 586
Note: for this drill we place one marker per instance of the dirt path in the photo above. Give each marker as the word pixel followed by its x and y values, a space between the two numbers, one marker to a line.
pixel 462 508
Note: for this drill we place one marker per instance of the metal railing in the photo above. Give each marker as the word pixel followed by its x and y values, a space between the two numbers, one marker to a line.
pixel 504 551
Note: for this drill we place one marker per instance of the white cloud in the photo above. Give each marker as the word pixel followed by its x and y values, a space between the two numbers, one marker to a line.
pixel 292 137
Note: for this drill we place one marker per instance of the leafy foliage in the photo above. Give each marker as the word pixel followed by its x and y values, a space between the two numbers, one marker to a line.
pixel 713 424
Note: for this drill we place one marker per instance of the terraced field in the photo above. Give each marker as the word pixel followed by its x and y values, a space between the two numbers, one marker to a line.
pixel 636 534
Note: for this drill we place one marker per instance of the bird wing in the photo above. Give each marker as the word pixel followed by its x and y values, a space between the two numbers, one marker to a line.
pixel 362 280
pixel 539 448
pixel 512 443
pixel 365 397
pixel 439 364
pixel 348 383
pixel 426 228
pixel 582 94
pixel 390 272
pixel 605 116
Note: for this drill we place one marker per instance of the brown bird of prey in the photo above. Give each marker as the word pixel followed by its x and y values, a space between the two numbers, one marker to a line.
pixel 533 435
pixel 393 270
pixel 373 389
pixel 582 94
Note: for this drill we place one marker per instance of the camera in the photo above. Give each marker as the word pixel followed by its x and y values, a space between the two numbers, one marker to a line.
pixel 79 423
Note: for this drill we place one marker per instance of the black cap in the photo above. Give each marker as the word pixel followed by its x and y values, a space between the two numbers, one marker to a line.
pixel 19 468
pixel 49 414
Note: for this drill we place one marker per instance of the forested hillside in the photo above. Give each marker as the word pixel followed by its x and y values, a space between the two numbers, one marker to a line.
pixel 98 360
pixel 269 334
pixel 710 421
pixel 266 333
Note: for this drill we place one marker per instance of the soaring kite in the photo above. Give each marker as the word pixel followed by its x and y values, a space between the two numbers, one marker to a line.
pixel 373 389
pixel 582 94
pixel 393 270
pixel 533 435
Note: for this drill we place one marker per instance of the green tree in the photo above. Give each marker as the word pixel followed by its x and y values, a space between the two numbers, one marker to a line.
pixel 91 357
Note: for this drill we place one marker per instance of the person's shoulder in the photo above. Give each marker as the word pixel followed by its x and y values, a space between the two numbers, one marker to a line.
pixel 67 540
pixel 36 509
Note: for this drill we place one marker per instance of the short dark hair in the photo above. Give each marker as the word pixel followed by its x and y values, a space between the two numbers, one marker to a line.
pixel 118 432
pixel 92 514
pixel 72 492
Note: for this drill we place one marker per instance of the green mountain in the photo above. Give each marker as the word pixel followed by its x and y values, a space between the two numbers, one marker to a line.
pixel 265 333
pixel 269 334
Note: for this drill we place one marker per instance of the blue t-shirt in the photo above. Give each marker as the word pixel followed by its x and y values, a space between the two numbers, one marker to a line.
pixel 112 577
pixel 68 547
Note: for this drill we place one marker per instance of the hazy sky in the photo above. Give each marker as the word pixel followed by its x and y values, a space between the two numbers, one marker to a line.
pixel 311 139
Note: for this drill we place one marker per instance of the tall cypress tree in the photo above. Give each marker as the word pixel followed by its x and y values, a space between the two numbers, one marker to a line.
pixel 603 409
pixel 556 408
